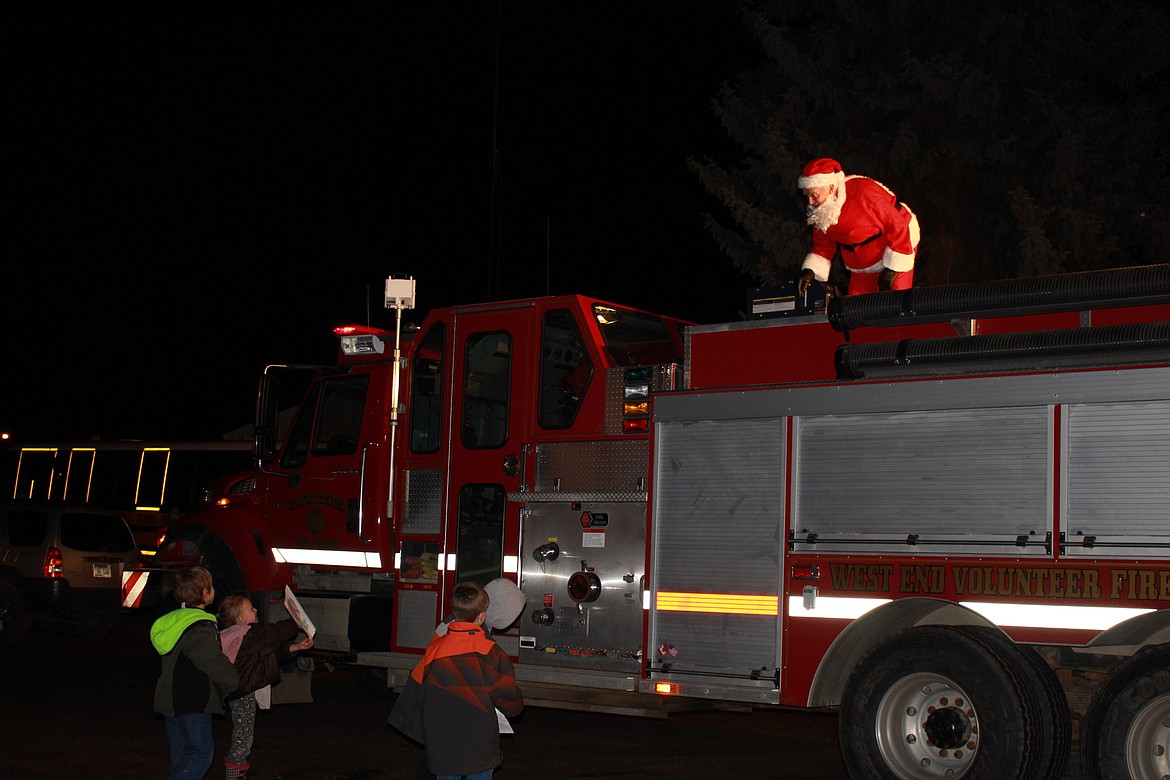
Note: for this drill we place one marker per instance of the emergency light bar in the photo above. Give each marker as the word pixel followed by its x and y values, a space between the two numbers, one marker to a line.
pixel 366 344
pixel 356 340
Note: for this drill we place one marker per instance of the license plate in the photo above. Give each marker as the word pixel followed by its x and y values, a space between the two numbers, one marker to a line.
pixel 102 570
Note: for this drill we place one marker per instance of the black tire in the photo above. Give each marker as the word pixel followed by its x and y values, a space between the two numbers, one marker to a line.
pixel 940 702
pixel 208 550
pixel 1127 728
pixel 15 618
pixel 1055 739
pixel 1053 735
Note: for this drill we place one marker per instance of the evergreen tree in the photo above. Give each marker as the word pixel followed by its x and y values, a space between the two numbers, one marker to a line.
pixel 1030 138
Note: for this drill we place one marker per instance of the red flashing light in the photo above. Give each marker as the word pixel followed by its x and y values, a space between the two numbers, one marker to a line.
pixel 636 426
pixel 358 330
pixel 350 330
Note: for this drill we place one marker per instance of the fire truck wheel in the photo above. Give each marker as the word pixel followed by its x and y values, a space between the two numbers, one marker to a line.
pixel 207 549
pixel 1053 741
pixel 1054 744
pixel 939 702
pixel 1127 728
pixel 15 618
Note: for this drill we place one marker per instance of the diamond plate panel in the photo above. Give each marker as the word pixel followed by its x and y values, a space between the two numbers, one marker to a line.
pixel 593 466
pixel 424 502
pixel 416 617
pixel 665 378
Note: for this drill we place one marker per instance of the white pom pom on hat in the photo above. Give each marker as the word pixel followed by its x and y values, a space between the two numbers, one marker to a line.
pixel 821 172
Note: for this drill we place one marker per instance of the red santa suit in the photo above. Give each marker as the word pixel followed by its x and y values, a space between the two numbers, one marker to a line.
pixel 873 230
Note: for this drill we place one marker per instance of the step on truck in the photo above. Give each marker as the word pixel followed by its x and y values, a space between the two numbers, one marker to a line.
pixel 940 512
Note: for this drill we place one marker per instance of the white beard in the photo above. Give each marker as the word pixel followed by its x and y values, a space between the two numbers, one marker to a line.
pixel 825 215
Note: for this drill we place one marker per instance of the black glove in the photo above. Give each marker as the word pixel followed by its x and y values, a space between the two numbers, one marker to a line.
pixel 806 278
pixel 886 279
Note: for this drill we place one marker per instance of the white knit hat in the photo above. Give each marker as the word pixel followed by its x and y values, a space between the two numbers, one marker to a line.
pixel 507 601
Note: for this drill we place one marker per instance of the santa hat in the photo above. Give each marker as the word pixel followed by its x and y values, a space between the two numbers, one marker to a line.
pixel 821 173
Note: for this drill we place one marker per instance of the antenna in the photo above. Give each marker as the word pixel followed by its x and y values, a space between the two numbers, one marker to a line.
pixel 493 282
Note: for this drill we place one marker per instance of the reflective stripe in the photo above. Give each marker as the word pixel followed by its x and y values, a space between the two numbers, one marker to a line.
pixel 1002 614
pixel 719 603
pixel 833 607
pixel 354 558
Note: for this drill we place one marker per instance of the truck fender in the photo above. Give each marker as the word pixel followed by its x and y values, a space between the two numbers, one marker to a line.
pixel 1152 628
pixel 236 535
pixel 216 554
pixel 860 636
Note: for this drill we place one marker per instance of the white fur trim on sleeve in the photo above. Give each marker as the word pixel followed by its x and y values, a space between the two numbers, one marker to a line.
pixel 818 265
pixel 896 261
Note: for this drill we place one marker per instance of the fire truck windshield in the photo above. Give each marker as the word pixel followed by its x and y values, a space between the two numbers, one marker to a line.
pixel 633 338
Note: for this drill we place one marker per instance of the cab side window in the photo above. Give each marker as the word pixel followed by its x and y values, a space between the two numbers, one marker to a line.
pixel 487 369
pixel 565 370
pixel 335 427
pixel 426 392
pixel 339 421
pixel 296 448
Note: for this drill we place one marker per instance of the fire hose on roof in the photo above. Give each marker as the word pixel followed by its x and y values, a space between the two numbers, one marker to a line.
pixel 1068 348
pixel 1135 286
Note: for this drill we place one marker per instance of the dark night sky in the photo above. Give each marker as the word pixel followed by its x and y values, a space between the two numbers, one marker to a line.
pixel 192 191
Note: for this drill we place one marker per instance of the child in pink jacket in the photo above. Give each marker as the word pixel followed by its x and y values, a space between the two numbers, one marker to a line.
pixel 257 650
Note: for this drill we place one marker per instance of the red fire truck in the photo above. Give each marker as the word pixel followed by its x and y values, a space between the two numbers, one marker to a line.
pixel 941 512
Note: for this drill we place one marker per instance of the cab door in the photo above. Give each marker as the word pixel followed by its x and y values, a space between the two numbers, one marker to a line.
pixel 320 493
pixel 491 404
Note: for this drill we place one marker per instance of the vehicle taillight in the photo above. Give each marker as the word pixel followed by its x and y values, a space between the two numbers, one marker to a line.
pixel 54 565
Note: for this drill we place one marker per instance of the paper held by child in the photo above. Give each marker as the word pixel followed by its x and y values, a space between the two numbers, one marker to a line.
pixel 298 613
pixel 505 726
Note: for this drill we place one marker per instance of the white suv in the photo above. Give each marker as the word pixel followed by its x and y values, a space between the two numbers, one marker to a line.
pixel 61 565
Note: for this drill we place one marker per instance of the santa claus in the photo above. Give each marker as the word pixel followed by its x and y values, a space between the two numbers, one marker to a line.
pixel 877 235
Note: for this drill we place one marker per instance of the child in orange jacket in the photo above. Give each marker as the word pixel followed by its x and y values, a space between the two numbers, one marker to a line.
pixel 450 700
